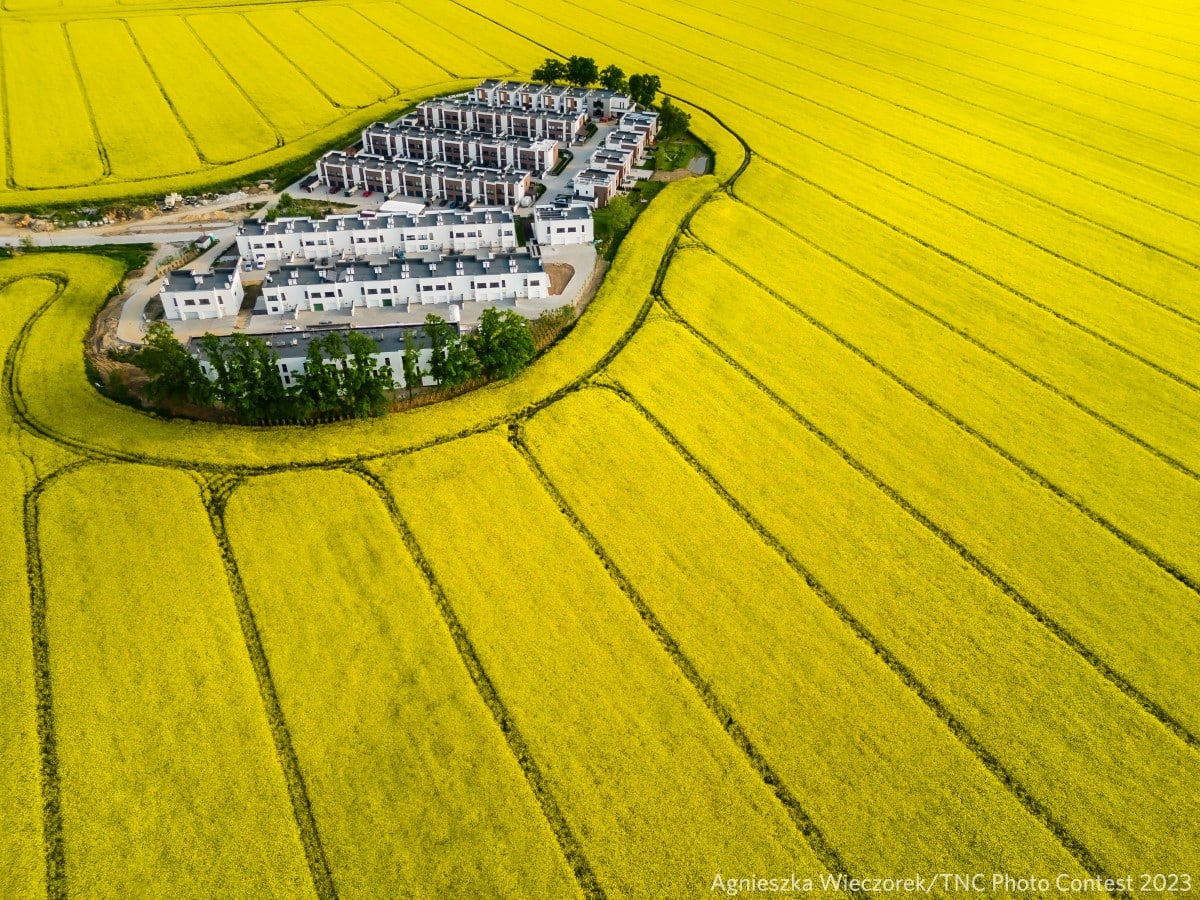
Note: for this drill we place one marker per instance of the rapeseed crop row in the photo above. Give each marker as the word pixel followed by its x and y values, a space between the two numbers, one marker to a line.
pixel 631 753
pixel 22 860
pixel 978 661
pixel 49 128
pixel 338 73
pixel 277 87
pixel 168 777
pixel 398 63
pixel 764 641
pixel 223 122
pixel 409 778
pixel 141 136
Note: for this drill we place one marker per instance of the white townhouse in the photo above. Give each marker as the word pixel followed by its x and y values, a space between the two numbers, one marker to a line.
pixel 369 234
pixel 558 227
pixel 644 121
pixel 597 185
pixel 401 141
pixel 619 161
pixel 430 180
pixel 593 102
pixel 292 349
pixel 632 142
pixel 453 114
pixel 195 294
pixel 489 278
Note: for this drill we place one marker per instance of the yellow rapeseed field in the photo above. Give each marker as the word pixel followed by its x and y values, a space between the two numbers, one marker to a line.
pixel 851 531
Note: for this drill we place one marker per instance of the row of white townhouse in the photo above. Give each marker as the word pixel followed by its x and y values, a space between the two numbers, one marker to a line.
pixel 457 114
pixel 489 278
pixel 611 165
pixel 376 234
pixel 429 180
pixel 397 140
pixel 595 102
pixel 291 347
pixel 198 294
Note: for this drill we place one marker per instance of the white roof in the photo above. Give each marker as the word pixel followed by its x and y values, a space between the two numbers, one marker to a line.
pixel 401 206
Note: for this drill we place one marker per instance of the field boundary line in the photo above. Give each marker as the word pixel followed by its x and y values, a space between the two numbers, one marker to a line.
pixel 53 837
pixel 162 89
pixel 395 37
pixel 1054 59
pixel 101 150
pixel 568 843
pixel 870 127
pixel 1128 539
pixel 974 270
pixel 992 764
pixel 187 23
pixel 1066 397
pixel 913 81
pixel 946 536
pixel 214 493
pixel 803 822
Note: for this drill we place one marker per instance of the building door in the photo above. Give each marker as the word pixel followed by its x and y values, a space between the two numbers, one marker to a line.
pixel 318 307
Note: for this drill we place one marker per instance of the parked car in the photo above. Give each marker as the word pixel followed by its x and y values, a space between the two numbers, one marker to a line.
pixel 453 204
pixel 289 328
pixel 366 193
pixel 326 322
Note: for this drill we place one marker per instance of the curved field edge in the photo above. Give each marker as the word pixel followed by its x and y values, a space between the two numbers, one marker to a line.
pixel 243 170
pixel 48 389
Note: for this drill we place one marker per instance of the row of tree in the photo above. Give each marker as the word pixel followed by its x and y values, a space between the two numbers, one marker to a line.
pixel 342 375
pixel 582 71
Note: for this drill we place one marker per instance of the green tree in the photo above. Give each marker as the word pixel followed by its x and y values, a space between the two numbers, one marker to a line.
pixel 620 214
pixel 440 334
pixel 412 364
pixel 318 383
pixel 613 79
pixel 461 363
pixel 367 382
pixel 550 71
pixel 503 343
pixel 643 89
pixel 248 382
pixel 174 373
pixel 582 71
pixel 672 121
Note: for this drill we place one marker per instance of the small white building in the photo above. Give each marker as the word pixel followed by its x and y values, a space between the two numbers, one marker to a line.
pixel 368 234
pixel 596 102
pixel 558 227
pixel 487 278
pixel 195 294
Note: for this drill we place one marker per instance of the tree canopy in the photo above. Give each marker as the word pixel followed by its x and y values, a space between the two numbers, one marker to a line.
pixel 643 89
pixel 672 121
pixel 503 343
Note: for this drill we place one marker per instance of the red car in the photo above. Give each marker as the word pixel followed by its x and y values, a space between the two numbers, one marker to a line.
pixel 366 193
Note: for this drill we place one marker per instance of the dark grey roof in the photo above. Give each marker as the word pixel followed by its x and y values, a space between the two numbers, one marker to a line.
pixel 361 222
pixel 391 269
pixel 562 213
pixel 293 344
